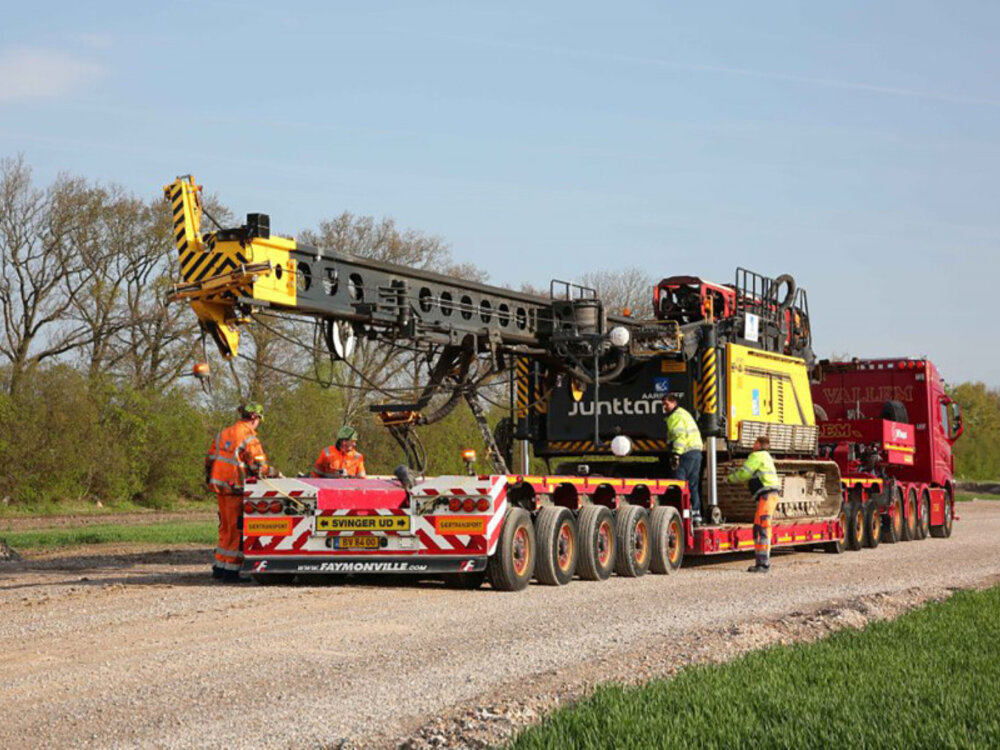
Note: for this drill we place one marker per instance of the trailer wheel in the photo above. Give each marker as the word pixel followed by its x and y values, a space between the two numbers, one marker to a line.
pixel 555 530
pixel 839 545
pixel 855 525
pixel 597 543
pixel 944 530
pixel 667 538
pixel 892 524
pixel 873 525
pixel 513 564
pixel 273 579
pixel 632 538
pixel 924 521
pixel 910 517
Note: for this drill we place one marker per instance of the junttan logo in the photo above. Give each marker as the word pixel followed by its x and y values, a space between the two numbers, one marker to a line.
pixel 616 407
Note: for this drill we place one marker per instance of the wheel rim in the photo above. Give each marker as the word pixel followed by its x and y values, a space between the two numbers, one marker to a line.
pixel 522 551
pixel 859 526
pixel 876 525
pixel 674 541
pixel 843 524
pixel 897 518
pixel 911 514
pixel 604 543
pixel 564 545
pixel 641 542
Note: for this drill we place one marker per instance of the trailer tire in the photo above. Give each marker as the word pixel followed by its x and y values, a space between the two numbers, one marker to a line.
pixel 632 541
pixel 873 525
pixel 667 539
pixel 910 517
pixel 855 525
pixel 944 530
pixel 924 520
pixel 273 579
pixel 511 567
pixel 596 528
pixel 837 546
pixel 895 411
pixel 892 523
pixel 555 530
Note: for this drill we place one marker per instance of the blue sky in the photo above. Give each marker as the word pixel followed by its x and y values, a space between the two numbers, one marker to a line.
pixel 855 145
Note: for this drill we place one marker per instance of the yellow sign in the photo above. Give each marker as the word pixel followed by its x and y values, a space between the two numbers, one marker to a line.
pixel 357 542
pixel 267 526
pixel 363 523
pixel 460 524
pixel 669 365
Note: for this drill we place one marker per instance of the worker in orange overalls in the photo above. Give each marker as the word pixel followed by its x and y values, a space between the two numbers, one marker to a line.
pixel 236 453
pixel 341 459
pixel 765 484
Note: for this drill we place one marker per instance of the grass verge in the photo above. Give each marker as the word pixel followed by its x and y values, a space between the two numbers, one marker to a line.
pixel 964 497
pixel 930 678
pixel 181 532
pixel 84 508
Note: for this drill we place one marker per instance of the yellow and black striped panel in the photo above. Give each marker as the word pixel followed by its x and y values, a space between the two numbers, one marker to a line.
pixel 198 266
pixel 708 383
pixel 588 446
pixel 523 382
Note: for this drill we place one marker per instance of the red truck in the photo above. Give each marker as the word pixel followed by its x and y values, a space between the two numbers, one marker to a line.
pixel 890 425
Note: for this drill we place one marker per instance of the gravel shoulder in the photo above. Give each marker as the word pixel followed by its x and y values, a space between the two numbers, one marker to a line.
pixel 136 647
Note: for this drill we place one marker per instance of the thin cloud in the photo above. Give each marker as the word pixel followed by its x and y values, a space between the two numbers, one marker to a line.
pixel 43 74
pixel 746 72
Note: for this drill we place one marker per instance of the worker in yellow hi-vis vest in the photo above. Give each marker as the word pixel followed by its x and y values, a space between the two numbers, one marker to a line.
pixel 686 446
pixel 765 484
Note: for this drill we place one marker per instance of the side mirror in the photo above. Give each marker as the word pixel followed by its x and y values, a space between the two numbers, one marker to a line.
pixel 957 426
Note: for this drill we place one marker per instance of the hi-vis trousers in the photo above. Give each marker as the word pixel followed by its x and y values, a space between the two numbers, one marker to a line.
pixel 229 553
pixel 766 503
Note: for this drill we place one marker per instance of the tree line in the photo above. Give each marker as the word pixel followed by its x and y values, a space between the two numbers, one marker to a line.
pixel 96 397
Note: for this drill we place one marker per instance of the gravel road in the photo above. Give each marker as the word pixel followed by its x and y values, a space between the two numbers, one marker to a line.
pixel 139 648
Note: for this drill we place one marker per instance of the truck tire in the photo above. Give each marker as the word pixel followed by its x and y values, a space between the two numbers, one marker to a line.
pixel 513 564
pixel 667 539
pixel 273 579
pixel 632 541
pixel 839 545
pixel 944 530
pixel 910 517
pixel 855 525
pixel 924 518
pixel 873 525
pixel 555 530
pixel 895 411
pixel 597 543
pixel 892 522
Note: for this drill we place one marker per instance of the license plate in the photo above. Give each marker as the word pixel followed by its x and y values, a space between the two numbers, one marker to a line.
pixel 362 523
pixel 356 542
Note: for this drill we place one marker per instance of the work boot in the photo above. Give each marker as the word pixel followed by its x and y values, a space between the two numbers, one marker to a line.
pixel 217 572
pixel 759 569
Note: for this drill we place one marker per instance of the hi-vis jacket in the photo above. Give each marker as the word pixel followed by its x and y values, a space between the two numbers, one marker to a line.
pixel 335 463
pixel 682 431
pixel 760 466
pixel 235 454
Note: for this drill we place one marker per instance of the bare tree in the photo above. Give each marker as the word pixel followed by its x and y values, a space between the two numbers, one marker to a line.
pixel 628 289
pixel 45 236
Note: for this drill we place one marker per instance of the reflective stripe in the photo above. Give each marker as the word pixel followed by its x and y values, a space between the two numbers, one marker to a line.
pixel 227 565
pixel 224 485
pixel 227 460
pixel 228 552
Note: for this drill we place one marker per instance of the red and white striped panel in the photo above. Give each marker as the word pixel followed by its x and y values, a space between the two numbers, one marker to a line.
pixel 277 488
pixel 461 486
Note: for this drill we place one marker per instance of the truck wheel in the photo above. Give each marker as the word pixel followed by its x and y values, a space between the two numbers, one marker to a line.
pixel 873 525
pixel 597 543
pixel 632 539
pixel 910 519
pixel 892 524
pixel 839 545
pixel 944 530
pixel 855 525
pixel 667 539
pixel 513 564
pixel 924 521
pixel 555 530
pixel 273 579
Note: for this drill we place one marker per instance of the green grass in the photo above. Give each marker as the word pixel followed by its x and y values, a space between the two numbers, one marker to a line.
pixel 930 679
pixel 84 508
pixel 185 532
pixel 964 497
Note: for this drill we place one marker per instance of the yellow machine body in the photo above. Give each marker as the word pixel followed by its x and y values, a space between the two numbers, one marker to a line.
pixel 765 388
